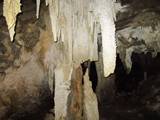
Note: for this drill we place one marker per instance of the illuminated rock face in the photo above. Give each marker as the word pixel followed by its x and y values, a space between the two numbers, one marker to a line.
pixel 75 25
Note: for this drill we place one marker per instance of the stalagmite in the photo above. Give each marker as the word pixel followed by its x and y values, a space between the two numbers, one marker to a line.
pixel 62 90
pixel 90 100
pixel 11 8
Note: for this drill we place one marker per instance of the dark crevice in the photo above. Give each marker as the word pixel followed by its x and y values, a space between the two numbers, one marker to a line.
pixel 84 66
pixel 92 72
pixel 93 75
pixel 128 83
pixel 143 66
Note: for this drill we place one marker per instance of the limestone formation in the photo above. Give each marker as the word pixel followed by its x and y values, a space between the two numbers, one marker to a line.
pixel 140 36
pixel 90 100
pixel 10 11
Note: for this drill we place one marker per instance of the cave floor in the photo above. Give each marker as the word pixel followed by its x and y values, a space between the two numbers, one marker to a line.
pixel 144 104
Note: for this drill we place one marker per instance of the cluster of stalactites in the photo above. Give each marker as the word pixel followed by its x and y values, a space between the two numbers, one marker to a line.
pixel 75 23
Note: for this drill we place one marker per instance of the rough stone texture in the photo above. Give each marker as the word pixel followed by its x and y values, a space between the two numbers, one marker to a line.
pixel 24 85
pixel 138 35
pixel 6 53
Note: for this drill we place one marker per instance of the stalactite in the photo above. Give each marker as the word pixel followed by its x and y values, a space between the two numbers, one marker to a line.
pixel 37 8
pixel 53 16
pixel 47 2
pixel 106 14
pixel 11 8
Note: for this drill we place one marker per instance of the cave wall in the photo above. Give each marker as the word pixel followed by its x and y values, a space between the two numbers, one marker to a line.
pixel 24 88
pixel 137 29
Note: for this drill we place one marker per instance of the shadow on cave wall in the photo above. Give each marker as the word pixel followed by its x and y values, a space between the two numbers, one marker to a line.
pixel 137 94
pixel 144 67
pixel 92 73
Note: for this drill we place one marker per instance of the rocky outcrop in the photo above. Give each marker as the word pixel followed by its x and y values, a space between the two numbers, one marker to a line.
pixel 138 32
pixel 24 86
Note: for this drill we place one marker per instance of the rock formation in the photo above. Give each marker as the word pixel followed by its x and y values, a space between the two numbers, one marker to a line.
pixel 58 57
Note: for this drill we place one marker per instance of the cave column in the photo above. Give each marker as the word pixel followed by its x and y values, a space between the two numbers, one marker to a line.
pixel 74 96
pixel 68 93
pixel 62 90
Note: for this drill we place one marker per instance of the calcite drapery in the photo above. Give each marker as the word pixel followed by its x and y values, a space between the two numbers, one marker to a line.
pixel 10 10
pixel 75 23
